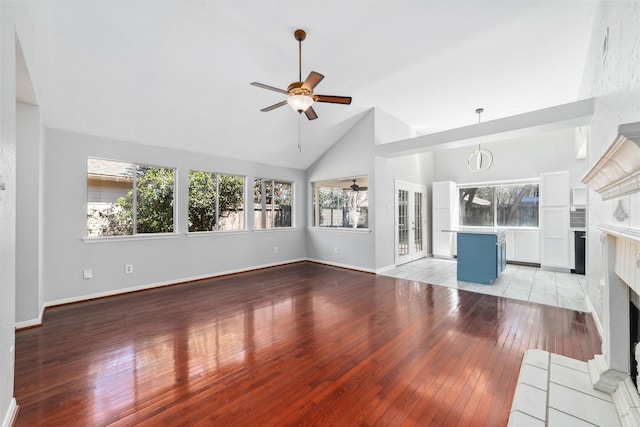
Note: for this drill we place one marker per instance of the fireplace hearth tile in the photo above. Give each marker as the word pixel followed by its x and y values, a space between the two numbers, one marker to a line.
pixel 578 365
pixel 576 380
pixel 561 419
pixel 567 395
pixel 534 376
pixel 583 406
pixel 519 419
pixel 535 357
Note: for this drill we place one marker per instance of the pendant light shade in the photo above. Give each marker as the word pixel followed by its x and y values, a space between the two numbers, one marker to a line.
pixel 300 103
pixel 481 159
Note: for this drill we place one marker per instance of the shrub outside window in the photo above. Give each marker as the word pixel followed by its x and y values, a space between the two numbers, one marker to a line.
pixel 272 203
pixel 216 202
pixel 124 199
pixel 499 205
pixel 341 203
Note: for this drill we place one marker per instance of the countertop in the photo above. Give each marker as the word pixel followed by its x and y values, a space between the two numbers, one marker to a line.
pixel 466 230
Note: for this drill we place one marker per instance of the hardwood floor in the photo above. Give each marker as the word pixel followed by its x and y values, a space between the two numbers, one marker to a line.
pixel 302 344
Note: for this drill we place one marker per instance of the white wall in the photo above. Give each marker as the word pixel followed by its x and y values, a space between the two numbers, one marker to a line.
pixel 518 159
pixel 30 215
pixel 417 169
pixel 351 155
pixel 15 21
pixel 614 82
pixel 155 261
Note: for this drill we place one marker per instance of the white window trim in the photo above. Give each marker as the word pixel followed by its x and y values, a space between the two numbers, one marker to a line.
pixel 341 229
pixel 140 236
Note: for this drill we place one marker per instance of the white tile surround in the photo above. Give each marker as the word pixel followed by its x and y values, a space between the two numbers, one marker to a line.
pixel 516 281
pixel 556 391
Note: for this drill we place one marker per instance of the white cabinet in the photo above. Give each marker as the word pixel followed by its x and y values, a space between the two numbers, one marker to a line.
pixel 555 195
pixel 523 246
pixel 445 216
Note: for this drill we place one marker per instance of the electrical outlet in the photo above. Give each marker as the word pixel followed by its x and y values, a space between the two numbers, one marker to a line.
pixel 128 269
pixel 335 250
pixel 275 249
pixel 87 274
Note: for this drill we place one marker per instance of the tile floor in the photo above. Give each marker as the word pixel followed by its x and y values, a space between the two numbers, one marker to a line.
pixel 554 390
pixel 516 281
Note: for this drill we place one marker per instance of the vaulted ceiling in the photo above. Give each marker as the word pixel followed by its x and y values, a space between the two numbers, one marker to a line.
pixel 177 73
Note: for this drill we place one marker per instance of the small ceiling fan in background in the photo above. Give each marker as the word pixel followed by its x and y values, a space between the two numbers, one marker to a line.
pixel 355 187
pixel 301 96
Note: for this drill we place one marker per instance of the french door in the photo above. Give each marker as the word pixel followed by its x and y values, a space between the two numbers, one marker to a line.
pixel 410 222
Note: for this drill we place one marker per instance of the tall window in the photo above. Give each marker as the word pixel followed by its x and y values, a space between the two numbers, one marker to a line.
pixel 126 198
pixel 499 205
pixel 341 203
pixel 216 202
pixel 272 202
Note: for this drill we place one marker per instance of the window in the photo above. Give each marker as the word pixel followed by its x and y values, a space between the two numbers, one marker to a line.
pixel 341 203
pixel 272 202
pixel 125 198
pixel 216 202
pixel 499 205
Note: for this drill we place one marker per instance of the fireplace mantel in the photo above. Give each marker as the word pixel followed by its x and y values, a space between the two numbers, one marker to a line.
pixel 617 172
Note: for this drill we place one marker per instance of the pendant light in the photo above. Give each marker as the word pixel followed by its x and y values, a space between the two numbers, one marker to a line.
pixel 481 159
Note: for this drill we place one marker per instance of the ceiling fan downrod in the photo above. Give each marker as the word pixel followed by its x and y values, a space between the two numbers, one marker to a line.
pixel 300 35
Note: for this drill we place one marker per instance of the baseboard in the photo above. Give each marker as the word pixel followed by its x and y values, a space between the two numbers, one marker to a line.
pixel 26 324
pixel 31 323
pixel 11 414
pixel 63 301
pixel 337 264
pixel 38 322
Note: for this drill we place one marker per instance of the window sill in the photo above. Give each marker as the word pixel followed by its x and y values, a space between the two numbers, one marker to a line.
pixel 270 230
pixel 342 230
pixel 110 239
pixel 214 233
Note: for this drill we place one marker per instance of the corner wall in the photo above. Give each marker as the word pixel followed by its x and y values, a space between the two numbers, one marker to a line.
pixel 15 23
pixel 613 80
pixel 30 215
pixel 351 155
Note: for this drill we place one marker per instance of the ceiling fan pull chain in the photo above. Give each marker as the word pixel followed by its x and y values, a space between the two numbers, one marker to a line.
pixel 300 132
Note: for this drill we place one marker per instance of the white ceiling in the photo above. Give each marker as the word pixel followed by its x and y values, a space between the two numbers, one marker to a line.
pixel 177 73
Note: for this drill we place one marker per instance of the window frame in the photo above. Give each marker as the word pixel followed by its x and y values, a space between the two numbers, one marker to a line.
pixel 135 235
pixel 263 203
pixel 315 207
pixel 494 202
pixel 217 229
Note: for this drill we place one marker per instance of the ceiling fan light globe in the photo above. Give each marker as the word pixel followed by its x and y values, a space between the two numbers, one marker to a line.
pixel 300 103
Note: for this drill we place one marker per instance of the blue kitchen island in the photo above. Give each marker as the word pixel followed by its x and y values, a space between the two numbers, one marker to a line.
pixel 481 254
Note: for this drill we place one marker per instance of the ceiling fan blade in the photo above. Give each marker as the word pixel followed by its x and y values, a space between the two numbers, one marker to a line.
pixel 274 106
pixel 333 99
pixel 310 113
pixel 264 86
pixel 312 80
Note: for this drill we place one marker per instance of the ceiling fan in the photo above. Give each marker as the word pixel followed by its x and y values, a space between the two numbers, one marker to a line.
pixel 301 96
pixel 355 187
